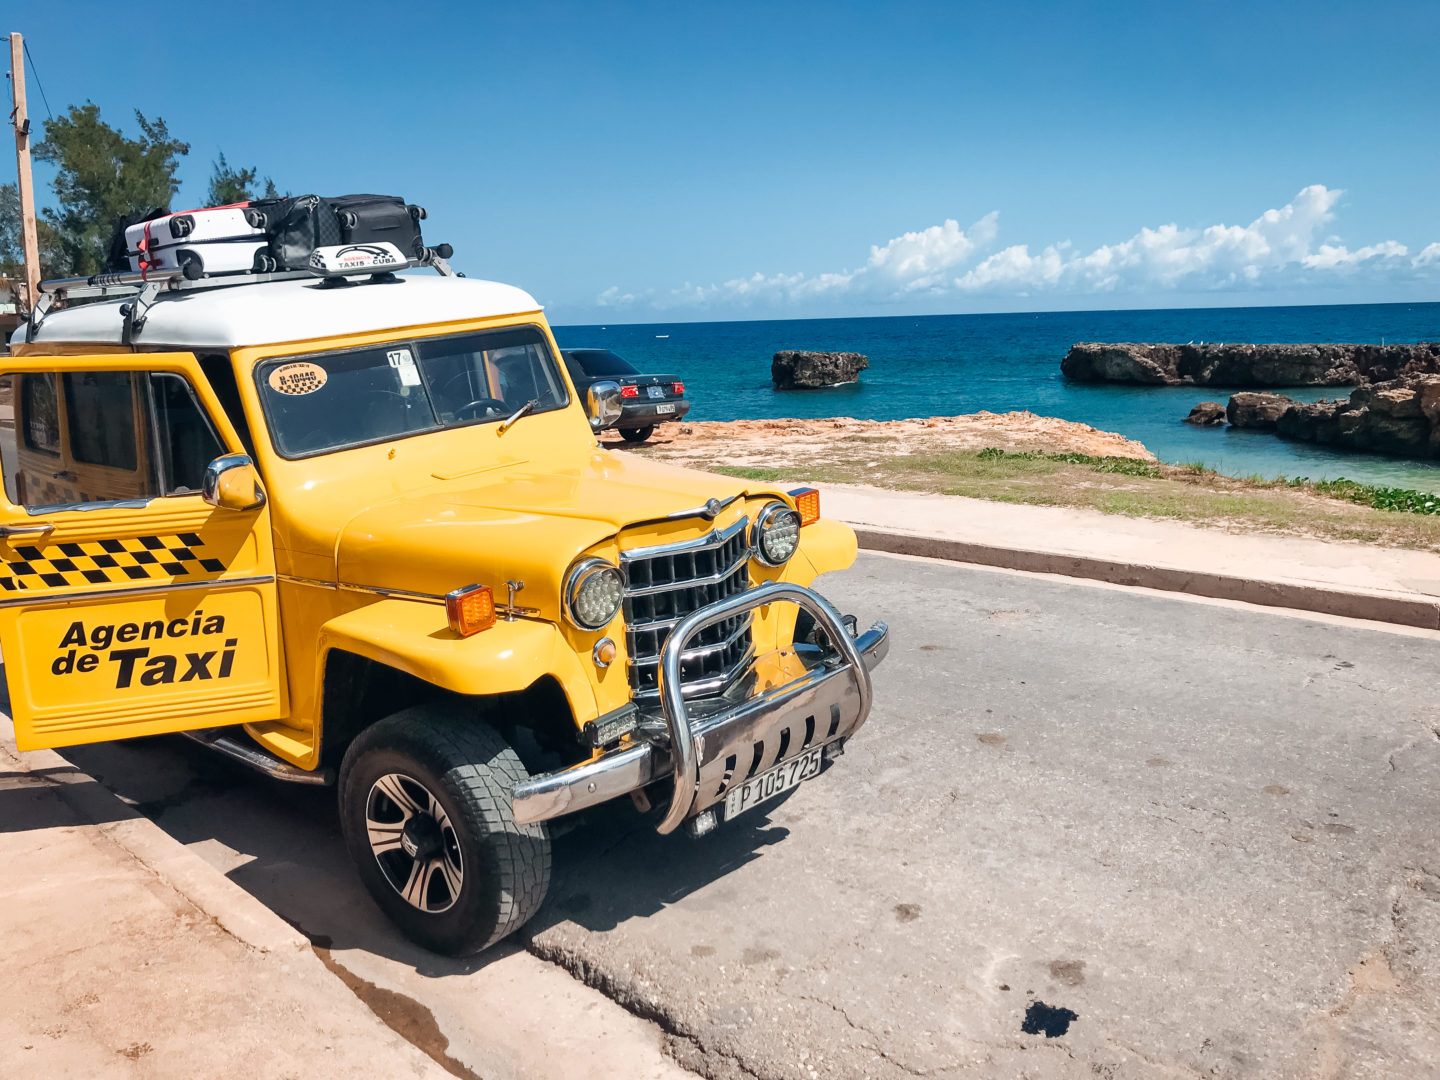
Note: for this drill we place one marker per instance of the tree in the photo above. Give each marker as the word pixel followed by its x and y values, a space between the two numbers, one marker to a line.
pixel 12 252
pixel 103 178
pixel 229 185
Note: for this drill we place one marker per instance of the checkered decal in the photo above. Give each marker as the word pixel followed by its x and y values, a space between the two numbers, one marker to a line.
pixel 104 562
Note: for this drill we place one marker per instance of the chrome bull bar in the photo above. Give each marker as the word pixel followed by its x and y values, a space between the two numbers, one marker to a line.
pixel 836 693
pixel 687 752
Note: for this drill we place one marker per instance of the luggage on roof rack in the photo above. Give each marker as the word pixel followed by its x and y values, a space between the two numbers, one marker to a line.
pixel 156 252
pixel 380 219
pixel 263 235
pixel 217 240
pixel 296 227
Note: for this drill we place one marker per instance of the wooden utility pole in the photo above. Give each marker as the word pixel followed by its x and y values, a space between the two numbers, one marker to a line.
pixel 21 120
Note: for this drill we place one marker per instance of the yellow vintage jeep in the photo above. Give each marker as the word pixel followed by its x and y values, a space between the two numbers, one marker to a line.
pixel 355 528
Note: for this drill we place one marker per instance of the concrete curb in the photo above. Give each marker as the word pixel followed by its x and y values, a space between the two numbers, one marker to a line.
pixel 1404 609
pixel 233 909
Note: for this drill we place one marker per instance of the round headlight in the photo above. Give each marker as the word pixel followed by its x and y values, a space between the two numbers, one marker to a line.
pixel 777 534
pixel 593 592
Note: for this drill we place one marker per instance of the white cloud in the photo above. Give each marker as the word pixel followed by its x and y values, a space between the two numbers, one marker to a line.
pixel 1291 245
pixel 613 297
pixel 918 260
pixel 1329 256
pixel 1429 255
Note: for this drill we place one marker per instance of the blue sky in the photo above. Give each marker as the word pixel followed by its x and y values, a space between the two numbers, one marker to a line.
pixel 647 162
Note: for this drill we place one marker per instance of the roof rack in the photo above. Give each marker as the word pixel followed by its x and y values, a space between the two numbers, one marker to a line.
pixel 146 286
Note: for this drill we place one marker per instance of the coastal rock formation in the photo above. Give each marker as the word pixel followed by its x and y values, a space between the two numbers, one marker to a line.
pixel 1260 412
pixel 1243 365
pixel 841 439
pixel 795 369
pixel 1400 416
pixel 1207 414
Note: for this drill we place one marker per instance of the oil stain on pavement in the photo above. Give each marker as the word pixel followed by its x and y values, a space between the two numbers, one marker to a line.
pixel 1050 1021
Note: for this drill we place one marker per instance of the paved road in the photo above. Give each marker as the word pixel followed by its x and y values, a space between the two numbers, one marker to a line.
pixel 1183 839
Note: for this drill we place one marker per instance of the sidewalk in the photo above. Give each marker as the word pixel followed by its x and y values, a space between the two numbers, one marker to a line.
pixel 1355 580
pixel 126 956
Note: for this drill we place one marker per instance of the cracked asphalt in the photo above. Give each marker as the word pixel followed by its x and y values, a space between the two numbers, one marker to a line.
pixel 1086 832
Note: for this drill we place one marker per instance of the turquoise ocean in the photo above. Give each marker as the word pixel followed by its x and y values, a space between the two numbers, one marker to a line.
pixel 943 365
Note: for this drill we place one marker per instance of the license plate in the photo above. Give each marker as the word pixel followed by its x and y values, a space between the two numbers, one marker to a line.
pixel 775 782
pixel 656 391
pixel 664 408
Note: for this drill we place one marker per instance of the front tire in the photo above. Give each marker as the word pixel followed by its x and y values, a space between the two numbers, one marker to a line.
pixel 425 809
pixel 637 434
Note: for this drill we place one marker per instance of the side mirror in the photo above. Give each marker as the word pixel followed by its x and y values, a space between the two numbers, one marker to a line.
pixel 602 404
pixel 230 482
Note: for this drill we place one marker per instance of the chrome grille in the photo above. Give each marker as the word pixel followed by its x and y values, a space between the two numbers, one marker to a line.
pixel 663 585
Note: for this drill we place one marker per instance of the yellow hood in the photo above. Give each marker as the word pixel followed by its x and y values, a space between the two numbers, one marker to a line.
pixel 519 524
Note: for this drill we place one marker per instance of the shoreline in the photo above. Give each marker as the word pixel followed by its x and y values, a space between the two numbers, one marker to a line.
pixel 758 442
pixel 943 365
pixel 1020 457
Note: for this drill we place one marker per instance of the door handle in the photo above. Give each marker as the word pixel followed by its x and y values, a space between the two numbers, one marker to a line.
pixel 65 474
pixel 40 529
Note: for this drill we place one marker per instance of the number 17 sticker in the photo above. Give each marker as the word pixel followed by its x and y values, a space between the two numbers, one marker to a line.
pixel 404 363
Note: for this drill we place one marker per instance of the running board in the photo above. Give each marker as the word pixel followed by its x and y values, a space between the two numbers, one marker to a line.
pixel 247 753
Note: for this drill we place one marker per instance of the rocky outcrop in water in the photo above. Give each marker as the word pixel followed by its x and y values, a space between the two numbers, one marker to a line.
pixel 1242 365
pixel 1259 412
pixel 795 369
pixel 1206 414
pixel 1399 416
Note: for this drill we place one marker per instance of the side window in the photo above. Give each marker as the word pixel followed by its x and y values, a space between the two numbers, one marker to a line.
pixel 100 418
pixel 221 375
pixel 84 439
pixel 42 413
pixel 187 441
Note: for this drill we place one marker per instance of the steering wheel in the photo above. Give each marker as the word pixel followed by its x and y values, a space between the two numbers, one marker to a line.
pixel 481 408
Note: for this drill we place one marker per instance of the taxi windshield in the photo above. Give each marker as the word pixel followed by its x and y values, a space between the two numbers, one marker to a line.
pixel 334 400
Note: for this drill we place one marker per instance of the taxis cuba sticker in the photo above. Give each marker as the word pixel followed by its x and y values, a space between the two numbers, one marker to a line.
pixel 297 378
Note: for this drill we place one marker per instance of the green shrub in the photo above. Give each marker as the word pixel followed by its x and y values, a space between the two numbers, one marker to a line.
pixel 1399 500
pixel 1123 466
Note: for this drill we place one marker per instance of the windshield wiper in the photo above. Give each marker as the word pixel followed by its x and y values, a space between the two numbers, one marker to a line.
pixel 524 410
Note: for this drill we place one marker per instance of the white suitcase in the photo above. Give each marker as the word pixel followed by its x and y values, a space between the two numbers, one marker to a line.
pixel 152 244
pixel 221 257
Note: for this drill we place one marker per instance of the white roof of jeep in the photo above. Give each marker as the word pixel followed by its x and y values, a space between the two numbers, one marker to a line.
pixel 274 312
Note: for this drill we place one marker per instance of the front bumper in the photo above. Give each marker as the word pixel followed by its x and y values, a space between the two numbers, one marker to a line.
pixel 709 755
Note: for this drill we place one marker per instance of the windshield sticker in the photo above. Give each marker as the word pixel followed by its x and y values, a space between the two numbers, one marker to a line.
pixel 298 378
pixel 404 363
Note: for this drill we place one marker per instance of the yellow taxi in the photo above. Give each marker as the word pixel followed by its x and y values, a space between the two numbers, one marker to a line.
pixel 355 528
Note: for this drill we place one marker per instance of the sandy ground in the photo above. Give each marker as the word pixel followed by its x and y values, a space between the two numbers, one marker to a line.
pixel 764 442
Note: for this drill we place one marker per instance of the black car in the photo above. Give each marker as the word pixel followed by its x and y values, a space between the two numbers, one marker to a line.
pixel 645 400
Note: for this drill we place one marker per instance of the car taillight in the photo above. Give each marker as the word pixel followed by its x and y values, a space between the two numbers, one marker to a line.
pixel 678 387
pixel 629 391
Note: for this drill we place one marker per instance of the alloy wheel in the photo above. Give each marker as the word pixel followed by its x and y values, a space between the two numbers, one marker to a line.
pixel 414 843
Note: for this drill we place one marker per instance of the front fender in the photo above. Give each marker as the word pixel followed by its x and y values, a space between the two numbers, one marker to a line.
pixel 416 639
pixel 828 545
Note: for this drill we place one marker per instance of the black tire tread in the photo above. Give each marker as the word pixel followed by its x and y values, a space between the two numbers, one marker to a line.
pixel 480 770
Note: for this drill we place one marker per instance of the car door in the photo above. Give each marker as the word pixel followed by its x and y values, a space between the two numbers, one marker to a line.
pixel 129 605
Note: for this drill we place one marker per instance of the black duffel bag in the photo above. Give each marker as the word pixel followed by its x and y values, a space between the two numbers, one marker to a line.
pixel 296 227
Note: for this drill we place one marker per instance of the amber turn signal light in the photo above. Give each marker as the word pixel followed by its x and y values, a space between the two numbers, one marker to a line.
pixel 470 609
pixel 807 501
